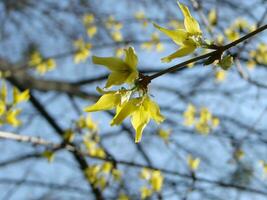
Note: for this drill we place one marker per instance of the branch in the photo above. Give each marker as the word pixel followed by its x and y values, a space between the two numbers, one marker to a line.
pixel 27 139
pixel 182 65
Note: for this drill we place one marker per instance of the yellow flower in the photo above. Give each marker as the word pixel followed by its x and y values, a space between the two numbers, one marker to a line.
pixel 119 52
pixel 154 42
pixel 109 100
pixel 88 19
pixel 187 39
pixel 116 174
pixel 40 64
pixel 11 117
pixel 93 148
pixel 189 115
pixel 35 58
pixel 107 167
pixel 116 36
pixel 156 181
pixel 193 163
pixel 215 122
pixel 122 71
pixel 87 122
pixel 20 96
pixel 112 23
pixel 212 17
pixel 2 107
pixel 220 75
pixel 164 134
pixel 231 34
pixel 145 192
pixel 82 50
pixel 140 16
pixel 91 31
pixel 145 174
pixel 141 110
pixel 3 94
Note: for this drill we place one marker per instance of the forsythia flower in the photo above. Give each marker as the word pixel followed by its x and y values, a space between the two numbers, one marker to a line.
pixel 193 163
pixel 141 110
pixel 82 50
pixel 155 180
pixel 109 100
pixel 203 123
pixel 40 64
pixel 212 17
pixel 122 71
pixel 188 39
pixel 8 110
pixel 140 16
pixel 154 42
pixel 87 122
pixel 98 175
pixel 145 192
pixel 19 97
pixel 88 21
pixel 189 115
pixel 11 117
pixel 260 54
pixel 115 28
pixel 164 134
pixel 220 75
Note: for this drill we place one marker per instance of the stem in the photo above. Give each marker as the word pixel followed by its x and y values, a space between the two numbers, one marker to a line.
pixel 221 49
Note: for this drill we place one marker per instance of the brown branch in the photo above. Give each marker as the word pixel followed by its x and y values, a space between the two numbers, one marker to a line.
pixel 213 53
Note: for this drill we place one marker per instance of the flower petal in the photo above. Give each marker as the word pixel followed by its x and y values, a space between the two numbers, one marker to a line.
pixel 153 109
pixel 125 110
pixel 131 58
pixel 106 102
pixel 183 51
pixel 112 63
pixel 140 119
pixel 117 78
pixel 178 36
pixel 191 25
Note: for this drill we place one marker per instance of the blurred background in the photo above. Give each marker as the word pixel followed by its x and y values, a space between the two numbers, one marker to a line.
pixel 212 144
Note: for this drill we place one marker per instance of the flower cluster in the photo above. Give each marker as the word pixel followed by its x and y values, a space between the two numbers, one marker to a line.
pixel 100 174
pixel 203 121
pixel 82 50
pixel 8 109
pixel 133 102
pixel 188 39
pixel 41 64
pixel 154 179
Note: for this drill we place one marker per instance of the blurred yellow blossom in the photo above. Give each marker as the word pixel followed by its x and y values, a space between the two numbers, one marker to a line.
pixel 189 115
pixel 220 75
pixel 154 180
pixel 140 16
pixel 153 44
pixel 164 134
pixel 41 64
pixel 204 122
pixel 89 23
pixel 193 163
pixel 82 50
